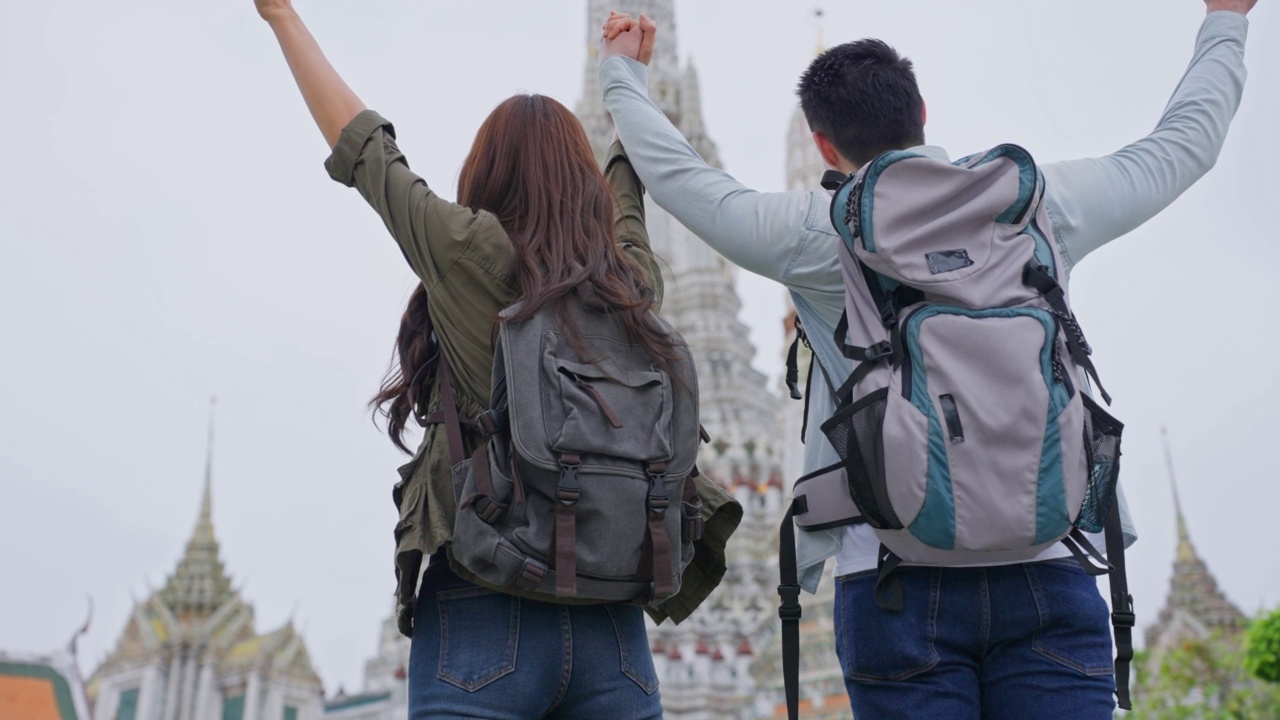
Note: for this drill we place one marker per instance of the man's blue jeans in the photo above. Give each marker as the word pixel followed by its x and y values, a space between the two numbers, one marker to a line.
pixel 483 654
pixel 1009 642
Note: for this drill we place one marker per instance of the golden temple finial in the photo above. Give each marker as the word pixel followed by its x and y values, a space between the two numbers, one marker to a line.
pixel 818 15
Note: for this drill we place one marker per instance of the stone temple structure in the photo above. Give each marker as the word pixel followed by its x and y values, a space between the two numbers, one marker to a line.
pixel 1196 607
pixel 724 662
pixel 385 692
pixel 190 651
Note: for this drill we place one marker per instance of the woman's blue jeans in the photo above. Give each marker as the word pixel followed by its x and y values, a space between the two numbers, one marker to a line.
pixel 482 654
pixel 1008 642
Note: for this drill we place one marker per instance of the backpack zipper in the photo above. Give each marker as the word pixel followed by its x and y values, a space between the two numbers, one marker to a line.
pixel 951 413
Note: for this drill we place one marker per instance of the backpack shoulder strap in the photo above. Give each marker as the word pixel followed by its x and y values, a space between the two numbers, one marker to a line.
pixel 447 415
pixel 1122 615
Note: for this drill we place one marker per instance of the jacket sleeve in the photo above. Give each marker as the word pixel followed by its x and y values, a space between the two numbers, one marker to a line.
pixel 628 218
pixel 1096 200
pixel 757 231
pixel 433 233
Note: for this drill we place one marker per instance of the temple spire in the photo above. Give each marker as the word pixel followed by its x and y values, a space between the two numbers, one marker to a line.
pixel 1185 552
pixel 204 522
pixel 199 585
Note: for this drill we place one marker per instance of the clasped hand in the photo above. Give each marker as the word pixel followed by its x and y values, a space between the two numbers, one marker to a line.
pixel 629 37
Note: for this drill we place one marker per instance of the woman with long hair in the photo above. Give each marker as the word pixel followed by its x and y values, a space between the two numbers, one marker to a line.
pixel 535 220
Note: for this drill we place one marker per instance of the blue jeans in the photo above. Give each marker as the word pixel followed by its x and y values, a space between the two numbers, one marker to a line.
pixel 1015 641
pixel 477 653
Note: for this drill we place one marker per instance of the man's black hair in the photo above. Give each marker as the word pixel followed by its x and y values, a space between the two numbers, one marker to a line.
pixel 863 96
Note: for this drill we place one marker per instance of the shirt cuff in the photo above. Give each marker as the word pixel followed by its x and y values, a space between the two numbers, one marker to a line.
pixel 620 69
pixel 1225 24
pixel 341 163
pixel 616 153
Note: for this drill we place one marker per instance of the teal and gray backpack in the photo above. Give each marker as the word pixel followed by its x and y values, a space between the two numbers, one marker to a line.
pixel 583 490
pixel 963 432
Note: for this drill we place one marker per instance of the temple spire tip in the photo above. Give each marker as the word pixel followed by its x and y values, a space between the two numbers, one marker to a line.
pixel 1185 550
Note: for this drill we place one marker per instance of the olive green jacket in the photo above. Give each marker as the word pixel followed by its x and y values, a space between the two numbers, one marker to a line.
pixel 467 265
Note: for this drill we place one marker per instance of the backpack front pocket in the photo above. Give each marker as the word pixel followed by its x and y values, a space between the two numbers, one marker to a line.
pixel 991 387
pixel 610 411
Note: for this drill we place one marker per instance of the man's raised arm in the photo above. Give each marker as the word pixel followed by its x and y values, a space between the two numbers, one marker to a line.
pixel 756 231
pixel 1096 200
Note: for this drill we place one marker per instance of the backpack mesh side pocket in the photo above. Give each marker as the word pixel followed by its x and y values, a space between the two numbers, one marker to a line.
pixel 856 432
pixel 1102 458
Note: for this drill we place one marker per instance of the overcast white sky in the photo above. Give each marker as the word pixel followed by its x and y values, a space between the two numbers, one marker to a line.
pixel 167 233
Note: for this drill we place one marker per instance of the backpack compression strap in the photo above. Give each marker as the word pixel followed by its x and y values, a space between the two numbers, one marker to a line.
pixel 1037 277
pixel 867 358
pixel 566 541
pixel 656 564
pixel 789 611
pixel 658 502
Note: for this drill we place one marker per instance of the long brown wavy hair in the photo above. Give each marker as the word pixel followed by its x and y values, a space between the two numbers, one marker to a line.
pixel 532 167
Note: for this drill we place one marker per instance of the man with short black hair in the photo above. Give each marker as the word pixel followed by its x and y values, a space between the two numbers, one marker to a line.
pixel 1025 640
pixel 862 97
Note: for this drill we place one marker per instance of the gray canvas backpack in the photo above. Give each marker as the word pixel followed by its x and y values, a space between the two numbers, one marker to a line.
pixel 582 491
pixel 963 433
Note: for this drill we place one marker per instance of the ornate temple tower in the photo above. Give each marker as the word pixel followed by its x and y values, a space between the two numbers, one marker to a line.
pixel 190 650
pixel 704 663
pixel 724 661
pixel 1195 607
pixel 804 165
pixel 700 297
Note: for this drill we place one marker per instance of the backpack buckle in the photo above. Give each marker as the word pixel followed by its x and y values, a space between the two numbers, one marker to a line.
pixel 888 316
pixel 659 501
pixel 878 351
pixel 491 422
pixel 531 574
pixel 790 608
pixel 568 490
pixel 488 510
pixel 1124 616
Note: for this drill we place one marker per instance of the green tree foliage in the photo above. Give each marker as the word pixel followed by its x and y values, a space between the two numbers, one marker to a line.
pixel 1262 648
pixel 1202 680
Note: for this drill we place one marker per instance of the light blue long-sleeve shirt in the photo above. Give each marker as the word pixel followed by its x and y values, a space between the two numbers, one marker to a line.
pixel 787 236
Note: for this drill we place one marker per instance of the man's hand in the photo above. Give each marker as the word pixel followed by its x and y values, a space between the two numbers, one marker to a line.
pixel 273 9
pixel 623 35
pixel 1238 6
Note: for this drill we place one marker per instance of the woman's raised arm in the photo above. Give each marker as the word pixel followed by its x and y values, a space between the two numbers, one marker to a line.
pixel 331 102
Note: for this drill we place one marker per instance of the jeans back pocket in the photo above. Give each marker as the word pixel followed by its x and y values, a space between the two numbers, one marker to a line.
pixel 479 636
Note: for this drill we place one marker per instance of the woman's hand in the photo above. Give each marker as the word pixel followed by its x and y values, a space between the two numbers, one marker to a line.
pixel 273 9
